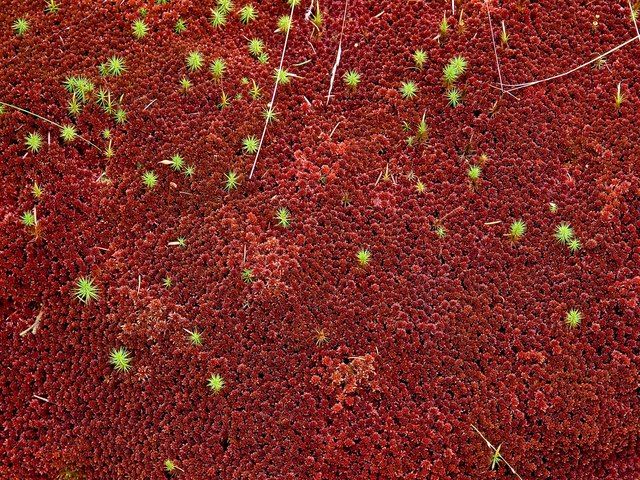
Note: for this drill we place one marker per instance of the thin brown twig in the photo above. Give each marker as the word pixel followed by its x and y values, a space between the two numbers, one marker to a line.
pixel 27 112
pixel 34 326
pixel 275 89
pixel 339 54
pixel 451 213
pixel 379 177
pixel 334 129
pixel 150 103
pixel 504 91
pixel 495 450
pixel 309 11
pixel 633 17
pixel 43 399
pixel 519 86
pixel 495 49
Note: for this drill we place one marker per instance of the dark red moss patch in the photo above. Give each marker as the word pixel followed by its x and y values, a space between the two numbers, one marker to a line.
pixel 432 336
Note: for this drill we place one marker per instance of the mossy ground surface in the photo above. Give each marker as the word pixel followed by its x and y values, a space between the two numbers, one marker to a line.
pixel 332 369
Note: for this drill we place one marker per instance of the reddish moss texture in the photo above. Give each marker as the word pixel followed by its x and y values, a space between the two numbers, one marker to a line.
pixel 433 336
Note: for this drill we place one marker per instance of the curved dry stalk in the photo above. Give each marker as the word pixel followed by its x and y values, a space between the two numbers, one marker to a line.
pixel 35 325
pixel 273 96
pixel 339 54
pixel 27 112
pixel 495 49
pixel 496 451
pixel 633 17
pixel 519 86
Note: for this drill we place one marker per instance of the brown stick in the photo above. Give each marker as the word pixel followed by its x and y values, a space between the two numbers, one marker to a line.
pixel 22 110
pixel 273 96
pixel 34 327
pixel 339 54
pixel 495 450
pixel 519 86
pixel 495 49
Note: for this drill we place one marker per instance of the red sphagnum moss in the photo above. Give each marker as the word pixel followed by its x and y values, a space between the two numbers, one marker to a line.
pixel 451 323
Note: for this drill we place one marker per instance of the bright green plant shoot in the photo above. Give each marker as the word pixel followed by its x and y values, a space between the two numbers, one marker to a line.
pixel 422 130
pixel 250 144
pixel 52 7
pixel 409 90
pixel 564 233
pixel 247 275
pixel 176 162
pixel 185 84
pixel 180 26
pixel 351 79
pixel 459 64
pixel 79 86
pixel 247 14
pixel 68 133
pixel 255 46
pixel 36 190
pixel 194 61
pixel 120 116
pixel 269 114
pixel 74 106
pixel 120 359
pixel 364 257
pixel 20 26
pixel 149 179
pixel 284 24
pixel 115 66
pixel 282 76
pixel 574 245
pixel 283 216
pixel 474 173
pixel 517 230
pixel 33 142
pixel 28 219
pixel 255 91
pixel 419 58
pixel 85 290
pixel 573 318
pixel 231 181
pixel 444 26
pixel 217 68
pixel 454 96
pixel 169 466
pixel 619 98
pixel 189 171
pixel 195 337
pixel 456 67
pixel 225 6
pixel 218 18
pixel 496 458
pixel 215 383
pixel 139 29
